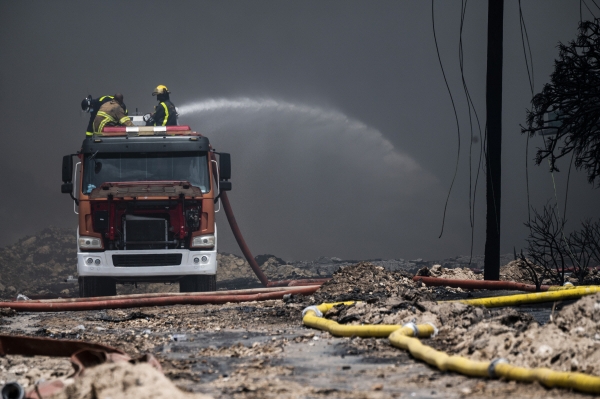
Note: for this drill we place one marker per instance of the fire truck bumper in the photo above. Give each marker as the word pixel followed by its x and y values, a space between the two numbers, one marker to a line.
pixel 146 263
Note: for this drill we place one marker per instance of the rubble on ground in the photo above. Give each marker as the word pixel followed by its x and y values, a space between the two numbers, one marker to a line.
pixel 472 262
pixel 475 332
pixel 247 350
pixel 367 282
pixel 28 370
pixel 569 342
pixel 122 380
pixel 137 332
pixel 235 267
pixel 39 263
pixel 458 273
pixel 516 270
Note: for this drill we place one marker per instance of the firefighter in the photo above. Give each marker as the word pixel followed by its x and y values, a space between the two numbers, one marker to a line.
pixel 92 105
pixel 164 113
pixel 111 113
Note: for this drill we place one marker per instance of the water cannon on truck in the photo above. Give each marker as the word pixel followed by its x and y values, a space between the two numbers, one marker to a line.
pixel 145 199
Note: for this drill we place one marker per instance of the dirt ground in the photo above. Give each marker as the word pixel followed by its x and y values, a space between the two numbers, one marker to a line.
pixel 262 350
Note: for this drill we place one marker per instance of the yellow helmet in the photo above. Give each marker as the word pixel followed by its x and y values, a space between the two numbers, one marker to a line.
pixel 160 89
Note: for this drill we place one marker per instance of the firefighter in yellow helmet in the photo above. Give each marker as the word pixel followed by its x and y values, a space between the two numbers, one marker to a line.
pixel 111 114
pixel 165 113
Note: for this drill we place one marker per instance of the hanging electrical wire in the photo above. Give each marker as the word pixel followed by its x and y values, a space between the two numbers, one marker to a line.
pixel 470 105
pixel 567 189
pixel 455 115
pixel 586 6
pixel 530 76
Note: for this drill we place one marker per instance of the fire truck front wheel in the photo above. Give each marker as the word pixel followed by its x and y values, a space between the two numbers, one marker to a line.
pixel 198 283
pixel 96 286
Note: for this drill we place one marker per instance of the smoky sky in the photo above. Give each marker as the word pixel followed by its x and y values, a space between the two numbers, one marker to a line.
pixel 336 114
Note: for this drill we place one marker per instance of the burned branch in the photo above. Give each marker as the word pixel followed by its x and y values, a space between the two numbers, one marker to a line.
pixel 567 111
pixel 591 230
pixel 545 243
pixel 536 278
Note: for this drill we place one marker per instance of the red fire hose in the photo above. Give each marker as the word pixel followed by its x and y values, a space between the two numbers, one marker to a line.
pixel 121 303
pixel 479 284
pixel 164 294
pixel 246 251
pixel 248 255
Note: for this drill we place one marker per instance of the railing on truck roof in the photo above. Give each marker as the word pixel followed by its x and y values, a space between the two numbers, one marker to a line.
pixel 182 130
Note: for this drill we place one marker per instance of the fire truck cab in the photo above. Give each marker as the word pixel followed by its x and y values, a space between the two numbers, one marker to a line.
pixel 146 199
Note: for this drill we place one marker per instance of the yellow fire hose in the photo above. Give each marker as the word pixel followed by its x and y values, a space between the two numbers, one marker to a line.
pixel 558 294
pixel 404 337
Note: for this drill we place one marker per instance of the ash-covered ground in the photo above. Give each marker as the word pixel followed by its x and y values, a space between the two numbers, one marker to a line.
pixel 262 350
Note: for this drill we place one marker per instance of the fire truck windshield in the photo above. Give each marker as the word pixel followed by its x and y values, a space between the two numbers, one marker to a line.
pixel 126 167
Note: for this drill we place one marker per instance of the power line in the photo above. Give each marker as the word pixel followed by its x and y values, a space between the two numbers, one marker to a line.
pixel 531 87
pixel 586 6
pixel 596 4
pixel 455 116
pixel 470 104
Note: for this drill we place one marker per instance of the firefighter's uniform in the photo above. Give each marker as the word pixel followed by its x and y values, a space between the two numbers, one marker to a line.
pixel 110 114
pixel 165 114
pixel 95 105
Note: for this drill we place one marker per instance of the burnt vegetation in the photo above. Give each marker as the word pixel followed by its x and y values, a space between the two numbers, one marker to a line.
pixel 567 111
pixel 560 253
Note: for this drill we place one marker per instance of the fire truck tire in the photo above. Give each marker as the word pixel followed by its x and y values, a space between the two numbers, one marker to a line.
pixel 198 283
pixel 96 286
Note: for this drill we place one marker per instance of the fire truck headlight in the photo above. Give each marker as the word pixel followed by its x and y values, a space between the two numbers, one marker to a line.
pixel 90 243
pixel 207 241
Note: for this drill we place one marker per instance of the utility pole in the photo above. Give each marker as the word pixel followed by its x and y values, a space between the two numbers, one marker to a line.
pixel 494 138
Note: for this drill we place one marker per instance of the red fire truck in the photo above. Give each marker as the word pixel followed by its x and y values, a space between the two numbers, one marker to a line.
pixel 146 199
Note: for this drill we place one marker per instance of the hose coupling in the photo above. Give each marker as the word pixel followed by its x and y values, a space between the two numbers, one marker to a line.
pixel 315 309
pixel 414 327
pixel 435 330
pixel 492 366
pixel 13 390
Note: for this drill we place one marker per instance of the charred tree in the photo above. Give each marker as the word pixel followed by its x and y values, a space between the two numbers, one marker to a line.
pixel 567 111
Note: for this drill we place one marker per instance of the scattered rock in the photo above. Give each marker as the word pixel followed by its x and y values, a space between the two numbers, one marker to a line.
pixel 367 282
pixel 516 270
pixel 123 380
pixel 38 263
pixel 458 273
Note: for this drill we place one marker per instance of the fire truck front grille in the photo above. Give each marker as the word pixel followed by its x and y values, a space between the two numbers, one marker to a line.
pixel 141 260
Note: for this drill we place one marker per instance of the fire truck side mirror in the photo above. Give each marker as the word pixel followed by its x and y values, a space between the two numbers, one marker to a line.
pixel 225 186
pixel 66 188
pixel 224 166
pixel 67 169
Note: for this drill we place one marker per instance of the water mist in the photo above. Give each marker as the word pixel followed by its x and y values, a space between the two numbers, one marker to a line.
pixel 311 182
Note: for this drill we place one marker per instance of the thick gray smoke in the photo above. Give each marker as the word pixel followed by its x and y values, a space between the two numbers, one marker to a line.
pixel 323 174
